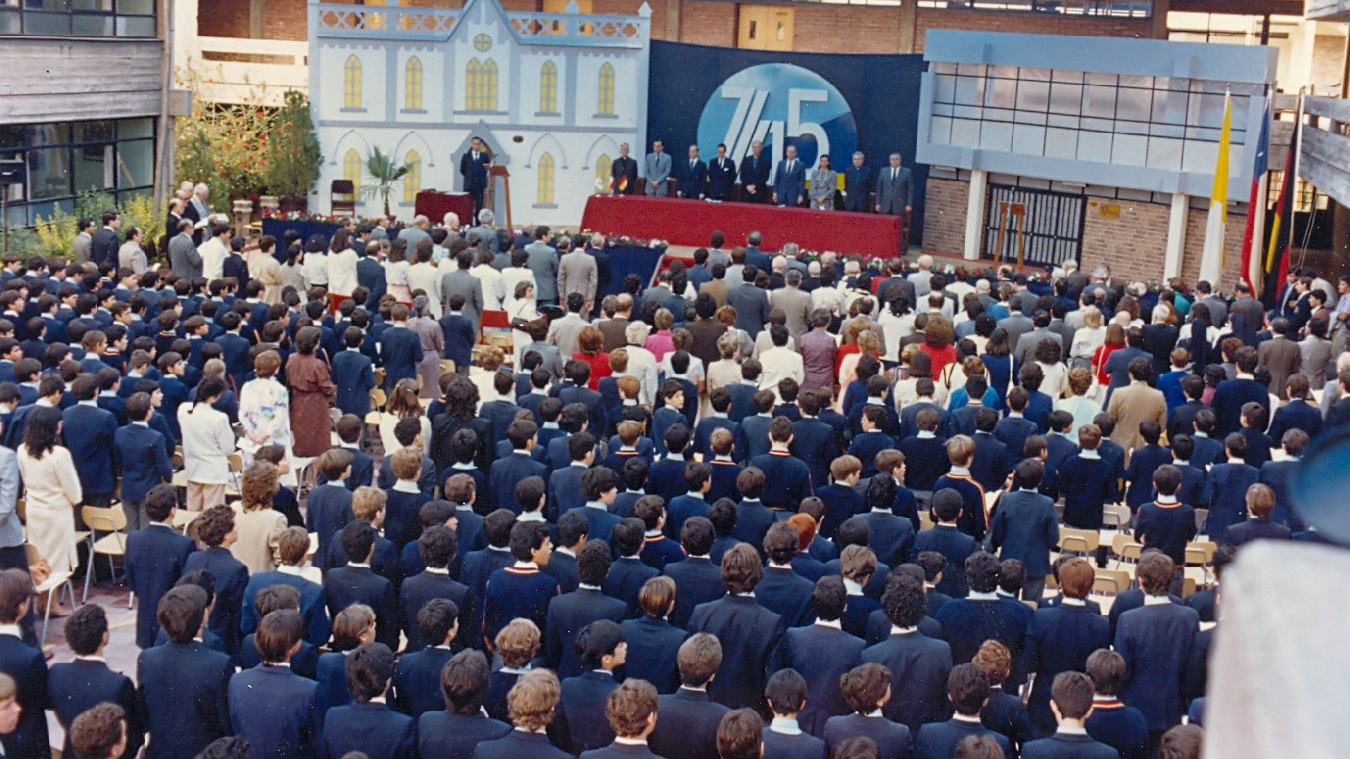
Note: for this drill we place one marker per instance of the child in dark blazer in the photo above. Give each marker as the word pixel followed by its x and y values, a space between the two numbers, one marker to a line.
pixel 143 458
pixel 154 560
pixel 271 706
pixel 215 529
pixel 462 725
pixel 1166 523
pixel 82 684
pixel 356 583
pixel 368 726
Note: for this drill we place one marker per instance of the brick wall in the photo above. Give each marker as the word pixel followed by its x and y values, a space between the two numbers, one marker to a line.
pixel 285 20
pixel 944 216
pixel 630 8
pixel 709 23
pixel 1128 236
pixel 842 28
pixel 226 18
pixel 1027 23
pixel 1234 229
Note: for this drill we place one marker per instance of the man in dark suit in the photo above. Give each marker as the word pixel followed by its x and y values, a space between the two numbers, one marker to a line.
pixel 688 723
pixel 749 632
pixel 1025 527
pixel 789 180
pixel 103 247
pixel 1232 394
pixel 751 304
pixel 181 686
pixel 721 175
pixel 895 192
pixel 356 583
pixel 79 686
pixel 272 707
pixel 858 186
pixel 823 653
pixel 1073 703
pixel 968 690
pixel 623 173
pixel 918 665
pixel 155 559
pixel 755 175
pixel 368 726
pixel 437 549
pixel 697 579
pixel 473 167
pixel 462 725
pixel 691 177
pixel 370 275
pixel 570 612
pixel 1155 641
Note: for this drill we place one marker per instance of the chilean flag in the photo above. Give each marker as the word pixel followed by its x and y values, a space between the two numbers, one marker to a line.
pixel 1251 264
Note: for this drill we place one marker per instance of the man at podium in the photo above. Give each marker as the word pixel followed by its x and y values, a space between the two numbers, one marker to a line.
pixel 473 166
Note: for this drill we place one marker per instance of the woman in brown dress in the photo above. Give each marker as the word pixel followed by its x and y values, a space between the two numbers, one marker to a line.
pixel 311 384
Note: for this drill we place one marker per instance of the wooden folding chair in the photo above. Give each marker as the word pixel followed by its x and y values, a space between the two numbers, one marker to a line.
pixel 111 521
pixel 56 581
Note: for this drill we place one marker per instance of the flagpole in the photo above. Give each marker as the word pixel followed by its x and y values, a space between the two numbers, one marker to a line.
pixel 1298 160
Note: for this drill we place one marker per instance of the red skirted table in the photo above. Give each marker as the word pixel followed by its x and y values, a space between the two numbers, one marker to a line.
pixel 691 222
pixel 434 205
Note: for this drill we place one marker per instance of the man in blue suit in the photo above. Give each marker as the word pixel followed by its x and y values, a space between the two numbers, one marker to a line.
pixel 354 375
pixel 968 690
pixel 142 456
pixel 368 726
pixel 1232 394
pixel 692 177
pixel 181 686
pixel 1155 640
pixel 293 547
pixel 823 653
pixel 789 179
pixel 749 633
pixel 689 719
pixel 918 665
pixel 721 175
pixel 26 666
pixel 400 348
pixel 462 725
pixel 473 167
pixel 272 707
pixel 370 275
pixel 1025 527
pixel 88 432
pixel 155 559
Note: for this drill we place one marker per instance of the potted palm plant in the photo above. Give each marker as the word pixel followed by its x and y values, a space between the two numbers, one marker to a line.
pixel 383 171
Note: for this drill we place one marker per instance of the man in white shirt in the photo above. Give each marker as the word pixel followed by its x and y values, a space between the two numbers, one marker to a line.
pixel 779 361
pixel 214 251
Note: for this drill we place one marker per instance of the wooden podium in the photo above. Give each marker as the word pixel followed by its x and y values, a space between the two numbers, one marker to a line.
pixel 490 199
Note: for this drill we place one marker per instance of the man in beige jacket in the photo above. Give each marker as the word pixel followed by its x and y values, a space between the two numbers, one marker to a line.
pixel 1135 403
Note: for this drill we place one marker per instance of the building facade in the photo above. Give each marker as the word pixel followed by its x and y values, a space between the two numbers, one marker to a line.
pixel 553 95
pixel 81 102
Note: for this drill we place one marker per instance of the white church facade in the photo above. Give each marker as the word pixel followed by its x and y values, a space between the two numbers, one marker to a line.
pixel 553 96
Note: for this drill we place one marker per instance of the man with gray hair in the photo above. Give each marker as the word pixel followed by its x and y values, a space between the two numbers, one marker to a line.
pixel 485 236
pixel 858 185
pixel 753 255
pixel 895 192
pixel 921 277
pixel 794 302
pixel 641 362
pixel 416 232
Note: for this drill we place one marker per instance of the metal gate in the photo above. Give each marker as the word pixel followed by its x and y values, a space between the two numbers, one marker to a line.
pixel 1043 226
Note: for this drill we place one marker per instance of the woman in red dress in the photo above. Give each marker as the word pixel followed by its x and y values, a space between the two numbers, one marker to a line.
pixel 938 343
pixel 1115 340
pixel 590 341
pixel 311 384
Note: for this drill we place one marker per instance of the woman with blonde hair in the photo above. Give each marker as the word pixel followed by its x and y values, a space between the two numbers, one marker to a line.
pixel 868 345
pixel 727 369
pixel 402 403
pixel 1087 338
pixel 265 404
pixel 727 315
pixel 257 525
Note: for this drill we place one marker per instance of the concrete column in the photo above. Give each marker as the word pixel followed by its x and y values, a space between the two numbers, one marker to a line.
pixel 1160 9
pixel 975 202
pixel 1176 236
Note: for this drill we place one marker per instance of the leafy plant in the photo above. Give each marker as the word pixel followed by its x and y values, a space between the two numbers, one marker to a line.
pixel 223 145
pixel 384 172
pixel 57 232
pixel 142 211
pixel 291 160
pixel 22 242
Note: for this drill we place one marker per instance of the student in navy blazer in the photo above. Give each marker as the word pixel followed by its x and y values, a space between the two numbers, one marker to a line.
pixel 368 726
pixel 400 349
pixel 459 335
pixel 749 633
pixel 1155 640
pixel 293 546
pixel 142 457
pixel 181 687
pixel 1025 527
pixel 601 648
pixel 653 642
pixel 628 574
pixel 272 707
pixel 697 579
pixel 26 665
pixel 784 738
pixel 918 665
pixel 456 731
pixel 353 375
pixel 947 539
pixel 216 530
pixel 89 433
pixel 154 560
pixel 1073 702
pixel 1112 722
pixel 437 547
pixel 866 690
pixel 356 583
pixel 782 591
pixel 822 653
pixel 82 684
pixel 1060 638
pixel 968 691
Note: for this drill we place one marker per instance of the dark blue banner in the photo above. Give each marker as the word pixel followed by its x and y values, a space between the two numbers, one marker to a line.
pixel 711 95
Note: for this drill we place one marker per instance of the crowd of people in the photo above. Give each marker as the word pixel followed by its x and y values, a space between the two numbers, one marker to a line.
pixel 759 505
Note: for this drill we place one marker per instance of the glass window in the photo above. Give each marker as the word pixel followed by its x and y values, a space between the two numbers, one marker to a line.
pixel 545 180
pixel 603 164
pixel 1000 93
pixel 412 181
pixel 81 18
pixel 1133 103
pixel 548 87
pixel 49 173
pixel 93 167
pixel 605 99
pixel 135 163
pixel 1099 100
pixel 1066 98
pixel 351 167
pixel 1033 96
pixel 351 82
pixel 412 84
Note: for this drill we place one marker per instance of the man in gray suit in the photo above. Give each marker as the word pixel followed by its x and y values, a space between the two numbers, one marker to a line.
pixel 184 259
pixel 656 169
pixel 1016 323
pixel 894 193
pixel 83 243
pixel 486 237
pixel 543 262
pixel 793 302
pixel 1025 349
pixel 750 302
pixel 563 332
pixel 461 282
pixel 577 273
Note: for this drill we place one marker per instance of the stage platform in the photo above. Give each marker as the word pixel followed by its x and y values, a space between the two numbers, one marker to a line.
pixel 690 222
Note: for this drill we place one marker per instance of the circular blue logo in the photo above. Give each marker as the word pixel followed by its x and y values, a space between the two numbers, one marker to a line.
pixel 779 104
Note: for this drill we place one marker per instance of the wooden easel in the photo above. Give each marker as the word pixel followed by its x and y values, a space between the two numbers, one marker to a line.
pixel 489 201
pixel 1008 214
